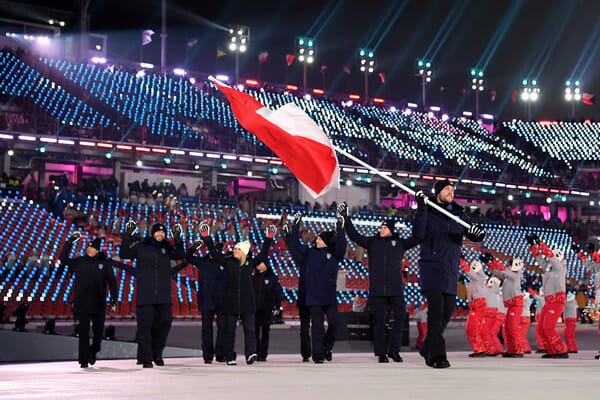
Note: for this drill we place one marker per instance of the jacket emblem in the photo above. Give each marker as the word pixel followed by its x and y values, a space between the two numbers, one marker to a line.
pixel 100 266
pixel 328 256
pixel 266 281
pixel 163 251
pixel 394 243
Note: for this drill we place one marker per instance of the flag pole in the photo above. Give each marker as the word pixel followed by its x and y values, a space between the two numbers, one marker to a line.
pixel 401 186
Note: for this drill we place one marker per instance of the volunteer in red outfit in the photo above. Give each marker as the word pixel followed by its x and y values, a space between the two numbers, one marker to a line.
pixel 525 321
pixel 513 301
pixel 490 326
pixel 570 315
pixel 553 283
pixel 476 292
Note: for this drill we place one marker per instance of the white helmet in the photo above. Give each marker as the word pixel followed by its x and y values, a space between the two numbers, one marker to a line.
pixel 516 265
pixel 493 282
pixel 558 254
pixel 475 266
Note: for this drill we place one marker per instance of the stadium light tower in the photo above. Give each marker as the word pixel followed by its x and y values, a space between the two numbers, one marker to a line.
pixel 424 70
pixel 572 94
pixel 530 94
pixel 478 85
pixel 366 60
pixel 306 53
pixel 239 38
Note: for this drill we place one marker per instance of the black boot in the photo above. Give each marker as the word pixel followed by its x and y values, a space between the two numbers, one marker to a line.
pixel 477 355
pixel 383 359
pixel 395 356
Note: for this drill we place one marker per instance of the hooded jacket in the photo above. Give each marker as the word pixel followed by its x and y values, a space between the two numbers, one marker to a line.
pixel 385 257
pixel 91 277
pixel 321 269
pixel 439 259
pixel 153 268
pixel 238 296
pixel 267 293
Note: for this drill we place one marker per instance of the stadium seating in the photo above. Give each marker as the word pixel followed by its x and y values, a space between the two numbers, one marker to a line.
pixel 47 286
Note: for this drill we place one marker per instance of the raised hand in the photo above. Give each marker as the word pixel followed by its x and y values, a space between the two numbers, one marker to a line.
pixel 297 218
pixel 75 236
pixel 195 246
pixel 204 229
pixel 130 228
pixel 475 233
pixel 342 209
pixel 287 230
pixel 421 198
pixel 177 232
pixel 271 231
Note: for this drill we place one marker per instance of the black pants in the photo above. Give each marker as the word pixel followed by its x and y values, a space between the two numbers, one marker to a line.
pixel 379 306
pixel 584 317
pixel 304 314
pixel 209 350
pixel 229 322
pixel 440 307
pixel 322 340
pixel 97 321
pixel 153 324
pixel 262 328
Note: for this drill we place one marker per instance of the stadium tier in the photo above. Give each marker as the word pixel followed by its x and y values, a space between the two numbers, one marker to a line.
pixel 172 110
pixel 30 270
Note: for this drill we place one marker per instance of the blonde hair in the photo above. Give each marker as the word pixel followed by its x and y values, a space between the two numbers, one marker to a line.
pixel 243 259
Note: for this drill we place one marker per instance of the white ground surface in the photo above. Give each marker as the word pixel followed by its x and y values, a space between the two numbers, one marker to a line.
pixel 349 376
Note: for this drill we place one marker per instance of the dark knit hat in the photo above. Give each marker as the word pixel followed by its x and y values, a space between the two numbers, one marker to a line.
pixel 96 243
pixel 158 227
pixel 390 223
pixel 440 185
pixel 327 237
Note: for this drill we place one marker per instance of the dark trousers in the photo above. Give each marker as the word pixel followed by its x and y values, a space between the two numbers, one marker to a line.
pixel 440 307
pixel 229 322
pixel 304 313
pixel 209 350
pixel 153 324
pixel 321 340
pixel 97 321
pixel 379 306
pixel 262 339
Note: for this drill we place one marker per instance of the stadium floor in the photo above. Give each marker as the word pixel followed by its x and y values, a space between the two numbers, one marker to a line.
pixel 348 376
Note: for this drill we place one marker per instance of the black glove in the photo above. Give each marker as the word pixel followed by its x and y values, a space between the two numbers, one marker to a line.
pixel 529 239
pixel 421 198
pixel 475 233
pixel 486 258
pixel 297 218
pixel 339 224
pixel 130 228
pixel 204 229
pixel 75 236
pixel 286 229
pixel 590 248
pixel 276 311
pixel 195 246
pixel 536 238
pixel 177 232
pixel 113 305
pixel 576 249
pixel 342 209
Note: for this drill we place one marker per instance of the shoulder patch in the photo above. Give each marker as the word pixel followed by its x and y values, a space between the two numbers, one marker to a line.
pixel 100 266
pixel 163 250
pixel 394 243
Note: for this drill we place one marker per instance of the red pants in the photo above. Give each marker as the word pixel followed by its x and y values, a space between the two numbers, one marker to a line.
pixel 422 328
pixel 570 324
pixel 538 331
pixel 474 326
pixel 551 312
pixel 512 334
pixel 524 327
pixel 490 327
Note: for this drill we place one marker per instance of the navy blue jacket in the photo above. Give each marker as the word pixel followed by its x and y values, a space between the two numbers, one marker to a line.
pixel 153 268
pixel 321 269
pixel 238 296
pixel 385 258
pixel 267 293
pixel 300 260
pixel 91 276
pixel 439 261
pixel 211 281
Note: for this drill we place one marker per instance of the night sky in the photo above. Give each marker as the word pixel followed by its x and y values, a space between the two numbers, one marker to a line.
pixel 513 40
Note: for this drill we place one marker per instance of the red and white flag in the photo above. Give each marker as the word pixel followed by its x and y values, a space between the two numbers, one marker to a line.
pixel 262 57
pixel 588 99
pixel 298 141
pixel 289 58
pixel 147 36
